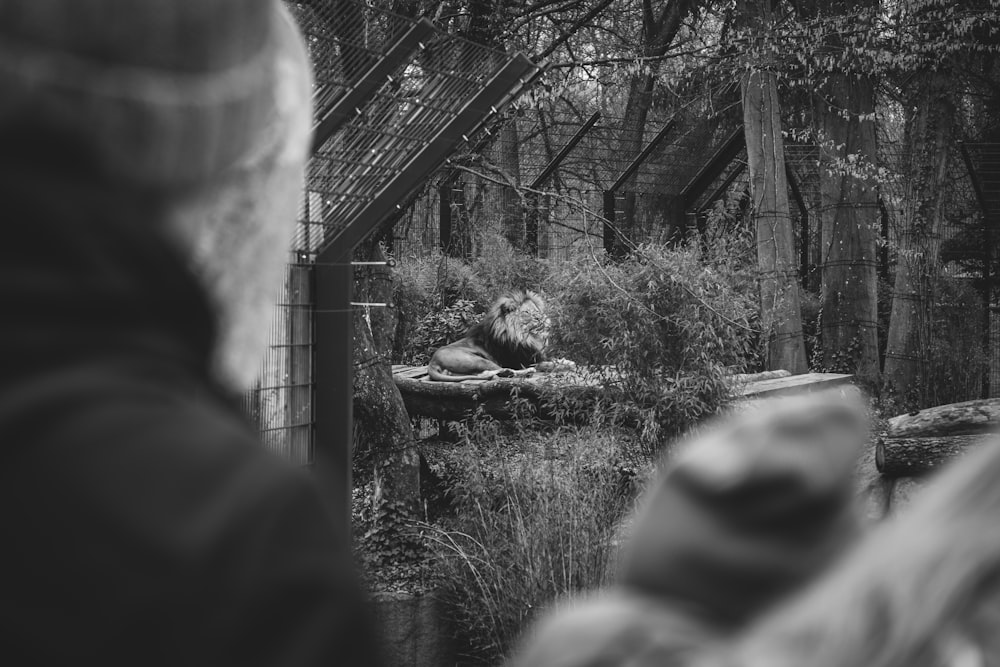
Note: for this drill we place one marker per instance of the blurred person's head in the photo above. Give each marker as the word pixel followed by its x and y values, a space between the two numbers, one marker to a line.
pixel 199 112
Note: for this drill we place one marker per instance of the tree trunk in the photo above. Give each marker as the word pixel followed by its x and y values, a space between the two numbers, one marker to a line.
pixel 382 430
pixel 929 135
pixel 781 315
pixel 850 223
pixel 908 457
pixel 966 418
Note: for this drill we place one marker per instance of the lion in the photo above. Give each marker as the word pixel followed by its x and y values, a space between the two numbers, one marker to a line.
pixel 509 341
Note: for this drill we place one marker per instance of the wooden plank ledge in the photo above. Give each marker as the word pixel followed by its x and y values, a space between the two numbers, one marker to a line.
pixel 793 384
pixel 457 400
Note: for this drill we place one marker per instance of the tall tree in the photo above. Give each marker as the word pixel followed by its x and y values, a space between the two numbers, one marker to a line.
pixel 930 127
pixel 781 315
pixel 849 214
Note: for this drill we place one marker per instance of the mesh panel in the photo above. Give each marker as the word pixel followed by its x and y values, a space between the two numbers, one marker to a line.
pixel 422 92
pixel 408 109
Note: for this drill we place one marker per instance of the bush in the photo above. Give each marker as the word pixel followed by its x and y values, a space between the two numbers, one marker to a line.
pixel 437 328
pixel 536 519
pixel 438 298
pixel 662 329
pixel 501 268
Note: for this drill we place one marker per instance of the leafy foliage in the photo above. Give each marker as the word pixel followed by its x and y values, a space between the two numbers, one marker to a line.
pixel 390 548
pixel 439 298
pixel 662 330
pixel 536 519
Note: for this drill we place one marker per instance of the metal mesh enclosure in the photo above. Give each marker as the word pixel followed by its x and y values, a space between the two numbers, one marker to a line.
pixel 385 87
pixel 412 104
pixel 280 406
pixel 568 222
pixel 569 213
pixel 567 205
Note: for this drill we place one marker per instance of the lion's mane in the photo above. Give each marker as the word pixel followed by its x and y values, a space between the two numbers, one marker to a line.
pixel 505 335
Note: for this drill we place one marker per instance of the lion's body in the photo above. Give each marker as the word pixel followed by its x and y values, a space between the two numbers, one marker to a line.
pixel 510 337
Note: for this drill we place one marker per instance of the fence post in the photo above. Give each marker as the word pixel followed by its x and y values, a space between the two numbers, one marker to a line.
pixel 987 303
pixel 333 368
pixel 610 233
pixel 299 405
pixel 531 224
pixel 444 217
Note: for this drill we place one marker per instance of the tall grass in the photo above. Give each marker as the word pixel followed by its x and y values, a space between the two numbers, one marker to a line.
pixel 536 520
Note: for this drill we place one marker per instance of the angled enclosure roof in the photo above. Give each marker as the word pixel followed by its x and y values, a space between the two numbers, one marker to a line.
pixel 393 98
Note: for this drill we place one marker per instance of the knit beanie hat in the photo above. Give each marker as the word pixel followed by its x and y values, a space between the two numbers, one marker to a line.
pixel 160 94
pixel 751 509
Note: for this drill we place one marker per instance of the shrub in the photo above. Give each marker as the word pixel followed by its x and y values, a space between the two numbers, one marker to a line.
pixel 662 329
pixel 439 327
pixel 391 552
pixel 501 268
pixel 438 298
pixel 536 519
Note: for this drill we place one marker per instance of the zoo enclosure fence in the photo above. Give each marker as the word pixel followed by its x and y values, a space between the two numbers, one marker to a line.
pixel 394 97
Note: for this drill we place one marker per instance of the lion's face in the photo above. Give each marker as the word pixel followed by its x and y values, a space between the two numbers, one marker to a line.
pixel 534 321
pixel 520 318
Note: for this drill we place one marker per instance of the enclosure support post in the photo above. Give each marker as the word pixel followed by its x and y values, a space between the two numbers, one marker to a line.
pixel 641 157
pixel 444 217
pixel 299 408
pixel 883 253
pixel 334 392
pixel 338 113
pixel 803 226
pixel 433 154
pixel 614 239
pixel 531 224
pixel 721 190
pixel 987 302
pixel 713 168
pixel 609 222
pixel 531 220
pixel 564 151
